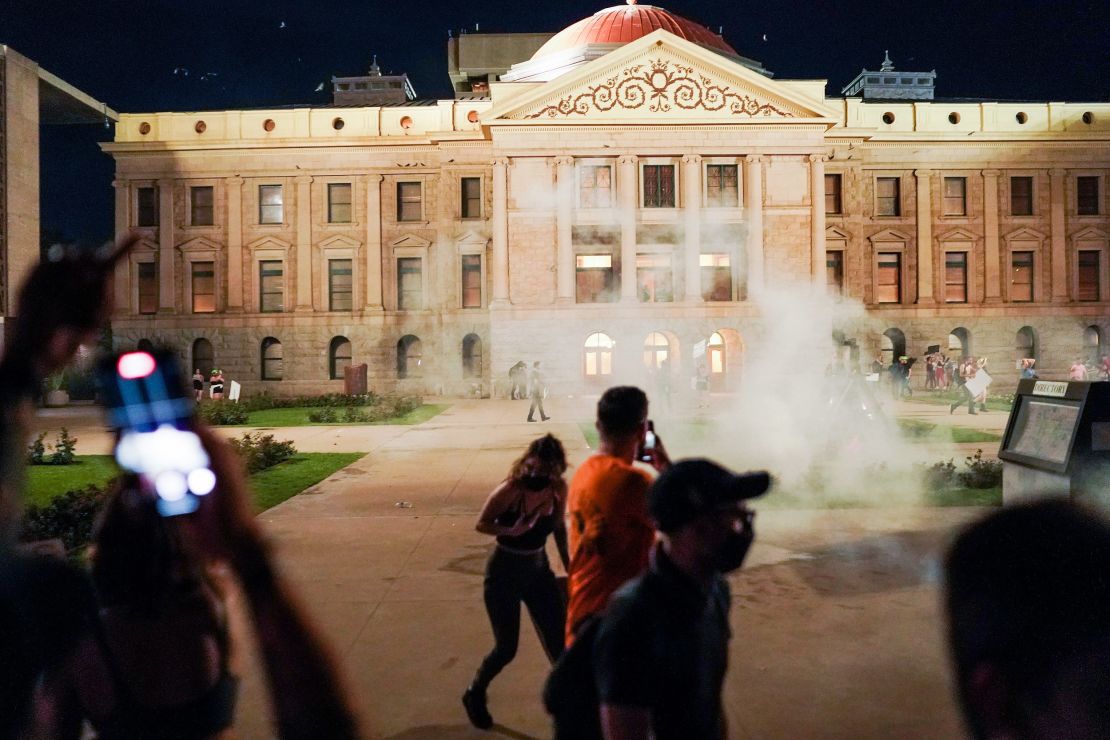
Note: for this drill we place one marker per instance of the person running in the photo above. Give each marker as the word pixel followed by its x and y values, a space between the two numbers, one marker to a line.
pixel 521 512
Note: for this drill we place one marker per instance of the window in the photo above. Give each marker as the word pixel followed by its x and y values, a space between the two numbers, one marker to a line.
pixel 1089 288
pixel 959 342
pixel 658 186
pixel 270 286
pixel 471 281
pixel 204 287
pixel 1025 344
pixel 955 196
pixel 471 194
pixel 834 271
pixel 1086 196
pixel 410 284
pixel 339 202
pixel 654 279
pixel 340 285
pixel 594 278
pixel 472 356
pixel 270 204
pixel 147 211
pixel 656 350
pixel 833 204
pixel 890 278
pixel 273 366
pixel 1021 277
pixel 716 277
pixel 955 277
pixel 598 355
pixel 888 200
pixel 1021 196
pixel 148 287
pixel 204 358
pixel 410 357
pixel 595 186
pixel 339 357
pixel 201 200
pixel 721 186
pixel 1092 345
pixel 410 204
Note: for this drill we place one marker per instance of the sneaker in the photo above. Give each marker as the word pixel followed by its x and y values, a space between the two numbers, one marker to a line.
pixel 474 701
pixel 531 420
pixel 544 418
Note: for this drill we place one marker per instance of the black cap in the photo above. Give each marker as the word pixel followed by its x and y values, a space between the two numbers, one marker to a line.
pixel 690 488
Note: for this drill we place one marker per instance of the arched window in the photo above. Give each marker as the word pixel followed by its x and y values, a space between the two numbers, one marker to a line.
pixel 716 352
pixel 1092 345
pixel 472 356
pixel 204 358
pixel 598 355
pixel 410 356
pixel 959 343
pixel 339 357
pixel 273 366
pixel 893 345
pixel 145 345
pixel 1025 344
pixel 656 350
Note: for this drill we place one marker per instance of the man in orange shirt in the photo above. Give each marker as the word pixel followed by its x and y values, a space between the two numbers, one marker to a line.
pixel 611 531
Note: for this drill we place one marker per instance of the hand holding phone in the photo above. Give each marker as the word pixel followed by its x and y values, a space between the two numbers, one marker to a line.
pixel 645 453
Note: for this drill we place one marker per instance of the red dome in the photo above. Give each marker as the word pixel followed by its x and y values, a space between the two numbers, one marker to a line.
pixel 621 24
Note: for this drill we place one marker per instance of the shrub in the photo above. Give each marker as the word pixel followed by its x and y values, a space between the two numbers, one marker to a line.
pixel 325 415
pixel 65 450
pixel 260 451
pixel 329 400
pixel 981 473
pixel 36 451
pixel 222 412
pixel 354 415
pixel 939 475
pixel 68 517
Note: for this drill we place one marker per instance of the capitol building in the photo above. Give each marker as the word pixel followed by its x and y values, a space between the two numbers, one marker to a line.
pixel 616 199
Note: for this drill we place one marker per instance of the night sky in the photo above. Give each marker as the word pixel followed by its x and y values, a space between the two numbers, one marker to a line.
pixel 134 56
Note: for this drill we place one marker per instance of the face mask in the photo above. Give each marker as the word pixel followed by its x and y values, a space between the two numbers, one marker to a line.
pixel 535 482
pixel 734 549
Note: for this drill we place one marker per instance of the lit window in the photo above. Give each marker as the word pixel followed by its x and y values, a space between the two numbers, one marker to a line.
pixel 955 196
pixel 716 277
pixel 270 204
pixel 409 201
pixel 955 277
pixel 654 279
pixel 594 279
pixel 271 287
pixel 598 355
pixel 340 285
pixel 889 287
pixel 339 203
pixel 595 186
pixel 148 287
pixel 1021 277
pixel 658 185
pixel 471 281
pixel 204 287
pixel 656 350
pixel 721 186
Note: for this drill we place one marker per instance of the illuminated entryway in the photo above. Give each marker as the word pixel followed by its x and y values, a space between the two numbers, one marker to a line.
pixel 598 357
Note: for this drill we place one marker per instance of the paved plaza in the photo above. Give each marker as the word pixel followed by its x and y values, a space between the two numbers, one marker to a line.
pixel 836 623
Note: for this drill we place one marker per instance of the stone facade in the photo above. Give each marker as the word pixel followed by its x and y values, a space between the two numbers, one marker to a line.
pixel 543 182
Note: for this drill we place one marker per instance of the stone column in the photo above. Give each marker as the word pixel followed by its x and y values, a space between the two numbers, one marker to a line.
pixel 121 280
pixel 992 292
pixel 924 238
pixel 629 184
pixel 753 215
pixel 499 223
pixel 374 243
pixel 564 218
pixel 691 211
pixel 304 243
pixel 1058 239
pixel 817 218
pixel 167 282
pixel 235 287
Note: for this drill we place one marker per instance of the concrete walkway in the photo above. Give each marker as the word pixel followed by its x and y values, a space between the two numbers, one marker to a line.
pixel 836 626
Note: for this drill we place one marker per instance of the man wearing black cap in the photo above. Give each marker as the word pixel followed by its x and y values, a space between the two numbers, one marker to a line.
pixel 661 650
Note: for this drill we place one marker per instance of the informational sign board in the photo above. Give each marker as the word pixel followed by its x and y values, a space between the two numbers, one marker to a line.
pixel 979 383
pixel 1044 430
pixel 233 393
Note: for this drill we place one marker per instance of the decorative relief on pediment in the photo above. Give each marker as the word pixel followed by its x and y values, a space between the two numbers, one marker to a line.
pixel 659 86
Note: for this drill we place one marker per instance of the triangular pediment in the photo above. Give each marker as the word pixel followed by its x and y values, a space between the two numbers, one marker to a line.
pixel 145 244
pixel 836 234
pixel 471 239
pixel 269 242
pixel 661 76
pixel 339 241
pixel 199 244
pixel 410 240
pixel 957 235
pixel 890 235
pixel 1090 233
pixel 1025 234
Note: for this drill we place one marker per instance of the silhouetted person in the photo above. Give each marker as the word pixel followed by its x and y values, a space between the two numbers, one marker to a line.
pixel 521 512
pixel 1028 607
pixel 537 389
pixel 517 380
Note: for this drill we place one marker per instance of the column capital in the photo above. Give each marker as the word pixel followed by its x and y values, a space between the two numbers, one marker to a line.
pixel 1057 172
pixel 303 179
pixel 374 178
pixel 500 161
pixel 754 159
pixel 992 173
pixel 628 159
pixel 165 182
pixel 922 174
pixel 564 161
pixel 118 184
pixel 815 158
pixel 691 159
pixel 235 181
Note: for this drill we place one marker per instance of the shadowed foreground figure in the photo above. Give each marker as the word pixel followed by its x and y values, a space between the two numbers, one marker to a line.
pixel 1028 606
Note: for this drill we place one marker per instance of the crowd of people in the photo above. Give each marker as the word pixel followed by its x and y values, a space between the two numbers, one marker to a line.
pixel 138 646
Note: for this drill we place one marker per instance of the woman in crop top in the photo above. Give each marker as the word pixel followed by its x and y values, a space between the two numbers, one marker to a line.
pixel 521 512
pixel 155 662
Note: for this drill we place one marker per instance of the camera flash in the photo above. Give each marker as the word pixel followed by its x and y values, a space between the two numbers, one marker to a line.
pixel 202 481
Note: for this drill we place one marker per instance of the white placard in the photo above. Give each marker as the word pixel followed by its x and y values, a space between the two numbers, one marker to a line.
pixel 1052 388
pixel 979 383
pixel 233 393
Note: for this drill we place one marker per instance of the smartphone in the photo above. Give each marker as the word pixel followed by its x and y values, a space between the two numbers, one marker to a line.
pixel 644 453
pixel 152 411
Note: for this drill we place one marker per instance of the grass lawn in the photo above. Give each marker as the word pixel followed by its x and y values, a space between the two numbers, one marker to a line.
pixel 270 487
pixel 923 431
pixel 297 416
pixel 945 398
